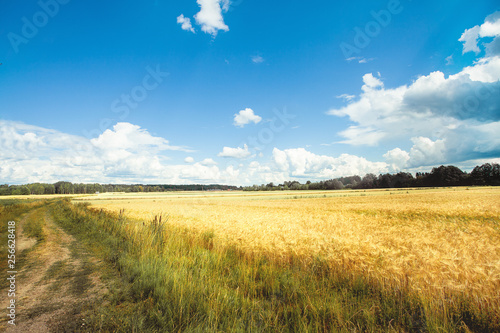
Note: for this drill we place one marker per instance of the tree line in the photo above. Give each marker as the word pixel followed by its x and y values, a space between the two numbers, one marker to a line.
pixel 70 188
pixel 486 174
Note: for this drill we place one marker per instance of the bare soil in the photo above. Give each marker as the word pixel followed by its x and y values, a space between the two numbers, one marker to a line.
pixel 57 282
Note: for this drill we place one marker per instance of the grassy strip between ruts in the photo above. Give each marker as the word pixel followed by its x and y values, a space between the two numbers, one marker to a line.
pixel 13 210
pixel 176 280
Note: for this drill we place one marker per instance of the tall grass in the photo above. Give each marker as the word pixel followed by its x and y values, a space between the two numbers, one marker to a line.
pixel 12 210
pixel 34 226
pixel 180 279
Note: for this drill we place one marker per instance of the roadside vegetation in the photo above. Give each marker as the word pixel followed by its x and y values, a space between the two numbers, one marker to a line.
pixel 13 210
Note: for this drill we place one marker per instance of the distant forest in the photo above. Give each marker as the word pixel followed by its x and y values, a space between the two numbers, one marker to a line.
pixel 70 188
pixel 486 174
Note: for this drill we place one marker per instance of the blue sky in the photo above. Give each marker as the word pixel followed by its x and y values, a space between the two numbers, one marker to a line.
pixel 243 92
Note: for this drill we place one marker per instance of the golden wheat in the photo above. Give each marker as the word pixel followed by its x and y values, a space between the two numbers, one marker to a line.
pixel 430 241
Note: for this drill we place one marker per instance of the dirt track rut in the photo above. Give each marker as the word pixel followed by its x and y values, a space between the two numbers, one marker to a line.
pixel 57 280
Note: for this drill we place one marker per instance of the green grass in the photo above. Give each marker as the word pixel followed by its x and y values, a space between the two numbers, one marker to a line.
pixel 12 210
pixel 173 279
pixel 33 226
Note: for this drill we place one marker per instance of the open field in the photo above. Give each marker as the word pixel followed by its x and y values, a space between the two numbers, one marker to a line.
pixel 423 260
pixel 433 243
pixel 22 198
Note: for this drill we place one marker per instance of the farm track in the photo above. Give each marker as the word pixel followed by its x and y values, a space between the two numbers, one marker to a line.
pixel 56 282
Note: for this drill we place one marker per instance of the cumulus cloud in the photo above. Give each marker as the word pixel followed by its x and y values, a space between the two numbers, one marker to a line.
pixel 34 154
pixel 128 150
pixel 427 152
pixel 397 159
pixel 124 154
pixel 30 153
pixel 469 38
pixel 208 161
pixel 371 82
pixel 424 152
pixel 485 70
pixel 129 138
pixel 447 119
pixel 210 16
pixel 433 106
pixel 196 173
pixel 245 117
pixel 299 162
pixel 185 23
pixel 490 28
pixel 235 152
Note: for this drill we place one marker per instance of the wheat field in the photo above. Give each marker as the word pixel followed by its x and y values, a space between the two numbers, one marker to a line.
pixel 434 242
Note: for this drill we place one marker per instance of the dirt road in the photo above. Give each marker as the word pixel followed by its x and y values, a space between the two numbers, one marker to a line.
pixel 57 280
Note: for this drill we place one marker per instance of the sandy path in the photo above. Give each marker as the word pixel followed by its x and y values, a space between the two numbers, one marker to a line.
pixel 57 280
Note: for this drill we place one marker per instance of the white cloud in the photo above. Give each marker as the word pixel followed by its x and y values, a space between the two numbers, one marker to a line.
pixel 427 152
pixel 433 106
pixel 185 23
pixel 34 154
pixel 30 153
pixel 360 60
pixel 299 162
pixel 132 138
pixel 490 28
pixel 449 60
pixel 371 82
pixel 125 154
pixel 225 5
pixel 469 38
pixel 281 159
pixel 424 152
pixel 127 150
pixel 245 117
pixel 208 161
pixel 196 173
pixel 397 158
pixel 235 152
pixel 210 16
pixel 257 59
pixel 448 119
pixel 346 97
pixel 486 70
